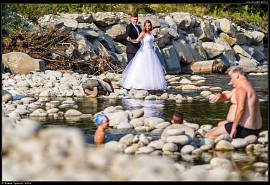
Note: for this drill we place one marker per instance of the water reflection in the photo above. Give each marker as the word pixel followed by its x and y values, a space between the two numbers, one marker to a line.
pixel 151 108
pixel 198 111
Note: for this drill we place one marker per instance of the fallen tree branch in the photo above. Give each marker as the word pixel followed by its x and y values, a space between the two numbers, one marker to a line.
pixel 257 28
pixel 42 43
pixel 56 53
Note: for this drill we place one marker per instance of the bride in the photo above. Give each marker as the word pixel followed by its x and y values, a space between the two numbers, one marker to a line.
pixel 144 71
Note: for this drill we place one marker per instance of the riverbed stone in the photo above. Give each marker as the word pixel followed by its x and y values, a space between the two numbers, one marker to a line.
pixel 157 131
pixel 239 143
pixel 188 131
pixel 260 167
pixel 137 113
pixel 124 125
pixel 72 112
pixel 226 137
pixel 127 139
pixel 6 96
pixel 171 147
pixel 131 150
pixel 137 122
pixel 187 149
pixel 224 145
pixel 251 139
pixel 142 128
pixel 218 162
pixel 157 144
pixel 145 150
pixel 180 139
pixel 163 125
pixel 206 147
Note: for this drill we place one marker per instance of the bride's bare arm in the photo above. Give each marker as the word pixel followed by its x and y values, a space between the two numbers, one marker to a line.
pixel 159 36
pixel 138 39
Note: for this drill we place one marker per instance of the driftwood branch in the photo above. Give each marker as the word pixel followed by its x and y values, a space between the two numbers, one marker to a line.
pixel 257 28
pixel 56 53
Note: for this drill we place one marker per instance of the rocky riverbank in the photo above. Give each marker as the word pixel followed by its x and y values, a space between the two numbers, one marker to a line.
pixel 191 44
pixel 31 152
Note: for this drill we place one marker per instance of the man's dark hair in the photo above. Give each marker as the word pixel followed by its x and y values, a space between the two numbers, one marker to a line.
pixel 107 80
pixel 178 117
pixel 134 14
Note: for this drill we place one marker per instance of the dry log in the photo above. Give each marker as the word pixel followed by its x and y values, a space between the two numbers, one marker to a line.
pixel 203 67
pixel 257 28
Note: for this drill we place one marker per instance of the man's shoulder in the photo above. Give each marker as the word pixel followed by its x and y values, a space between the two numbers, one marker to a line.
pixel 128 25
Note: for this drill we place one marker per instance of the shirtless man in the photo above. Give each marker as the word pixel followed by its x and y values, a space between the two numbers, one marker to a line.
pixel 244 117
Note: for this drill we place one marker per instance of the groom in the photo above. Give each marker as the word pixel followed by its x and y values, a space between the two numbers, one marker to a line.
pixel 132 30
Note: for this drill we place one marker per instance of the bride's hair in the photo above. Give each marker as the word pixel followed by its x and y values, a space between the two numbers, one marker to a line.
pixel 147 21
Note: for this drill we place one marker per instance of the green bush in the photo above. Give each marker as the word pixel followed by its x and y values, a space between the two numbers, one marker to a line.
pixel 13 23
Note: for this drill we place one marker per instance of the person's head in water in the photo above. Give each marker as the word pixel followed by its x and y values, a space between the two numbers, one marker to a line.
pixel 177 118
pixel 102 118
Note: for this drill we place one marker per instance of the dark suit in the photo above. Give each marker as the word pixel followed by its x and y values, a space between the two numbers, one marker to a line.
pixel 132 48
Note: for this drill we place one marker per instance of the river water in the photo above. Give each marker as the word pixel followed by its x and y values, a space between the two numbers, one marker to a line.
pixel 198 111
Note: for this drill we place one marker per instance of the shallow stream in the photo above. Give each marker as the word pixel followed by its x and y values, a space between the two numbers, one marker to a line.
pixel 198 111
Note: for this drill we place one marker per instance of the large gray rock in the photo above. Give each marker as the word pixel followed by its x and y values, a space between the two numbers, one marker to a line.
pixel 6 96
pixel 21 63
pixel 171 61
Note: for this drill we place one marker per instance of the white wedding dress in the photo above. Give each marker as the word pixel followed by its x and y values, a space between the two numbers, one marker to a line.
pixel 144 71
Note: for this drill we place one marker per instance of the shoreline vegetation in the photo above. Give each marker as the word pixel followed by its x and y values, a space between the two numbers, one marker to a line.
pixel 255 15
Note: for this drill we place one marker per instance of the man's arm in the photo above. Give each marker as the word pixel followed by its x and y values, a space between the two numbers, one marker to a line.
pixel 240 96
pixel 221 97
pixel 138 39
pixel 128 31
pixel 158 37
